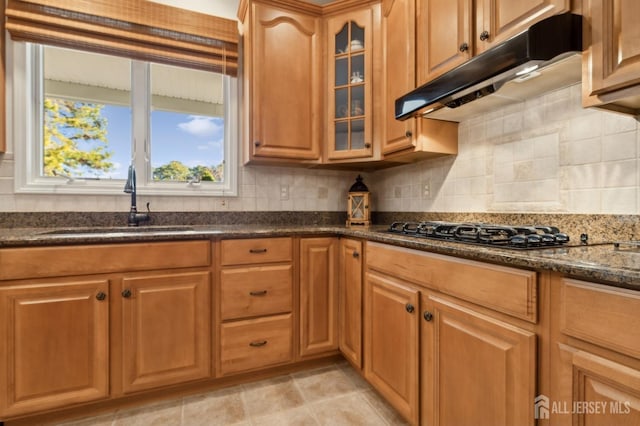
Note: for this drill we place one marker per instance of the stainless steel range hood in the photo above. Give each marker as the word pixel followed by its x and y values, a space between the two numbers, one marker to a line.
pixel 542 58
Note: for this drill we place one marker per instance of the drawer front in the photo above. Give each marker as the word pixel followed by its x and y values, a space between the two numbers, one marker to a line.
pixel 256 343
pixel 253 291
pixel 602 315
pixel 59 261
pixel 256 250
pixel 504 289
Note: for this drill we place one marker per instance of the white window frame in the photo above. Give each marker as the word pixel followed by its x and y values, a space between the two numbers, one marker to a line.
pixel 26 75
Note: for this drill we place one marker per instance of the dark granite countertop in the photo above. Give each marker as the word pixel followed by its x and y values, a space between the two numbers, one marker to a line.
pixel 600 263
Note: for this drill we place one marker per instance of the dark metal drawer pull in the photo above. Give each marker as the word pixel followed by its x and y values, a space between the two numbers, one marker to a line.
pixel 261 250
pixel 258 344
pixel 258 293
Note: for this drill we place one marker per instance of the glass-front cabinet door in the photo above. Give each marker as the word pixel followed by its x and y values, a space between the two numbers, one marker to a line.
pixel 349 71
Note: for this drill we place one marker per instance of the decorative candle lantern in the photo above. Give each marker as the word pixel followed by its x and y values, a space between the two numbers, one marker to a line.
pixel 358 206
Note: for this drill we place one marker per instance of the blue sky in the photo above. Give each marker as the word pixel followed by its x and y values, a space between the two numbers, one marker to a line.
pixel 193 140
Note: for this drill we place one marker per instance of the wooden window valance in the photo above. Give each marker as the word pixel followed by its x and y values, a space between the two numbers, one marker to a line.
pixel 137 29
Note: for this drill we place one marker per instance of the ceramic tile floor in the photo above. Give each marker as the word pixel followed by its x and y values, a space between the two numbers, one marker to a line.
pixel 332 395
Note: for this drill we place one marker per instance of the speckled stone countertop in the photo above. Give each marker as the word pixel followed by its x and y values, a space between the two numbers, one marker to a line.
pixel 599 263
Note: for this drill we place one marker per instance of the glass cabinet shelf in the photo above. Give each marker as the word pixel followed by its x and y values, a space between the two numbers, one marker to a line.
pixel 349 88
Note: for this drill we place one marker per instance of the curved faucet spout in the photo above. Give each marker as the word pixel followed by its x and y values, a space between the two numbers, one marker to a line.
pixel 130 188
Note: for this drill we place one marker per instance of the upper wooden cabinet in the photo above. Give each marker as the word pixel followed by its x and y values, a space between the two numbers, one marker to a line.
pixel 498 20
pixel 611 63
pixel 350 50
pixel 415 138
pixel 282 97
pixel 444 38
pixel 452 31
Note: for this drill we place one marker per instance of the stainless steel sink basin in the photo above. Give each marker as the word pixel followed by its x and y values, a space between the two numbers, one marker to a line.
pixel 120 230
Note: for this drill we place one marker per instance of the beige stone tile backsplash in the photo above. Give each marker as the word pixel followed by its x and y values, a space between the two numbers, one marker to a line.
pixel 544 155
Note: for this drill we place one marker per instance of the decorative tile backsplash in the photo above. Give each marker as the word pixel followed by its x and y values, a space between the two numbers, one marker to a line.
pixel 544 155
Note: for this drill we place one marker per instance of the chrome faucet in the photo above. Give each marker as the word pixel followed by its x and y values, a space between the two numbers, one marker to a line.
pixel 134 218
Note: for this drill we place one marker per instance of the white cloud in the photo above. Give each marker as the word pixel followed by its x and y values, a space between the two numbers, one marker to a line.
pixel 211 145
pixel 203 127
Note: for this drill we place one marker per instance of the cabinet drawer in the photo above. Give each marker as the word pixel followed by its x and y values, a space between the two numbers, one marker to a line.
pixel 504 289
pixel 253 291
pixel 256 343
pixel 59 261
pixel 256 250
pixel 602 315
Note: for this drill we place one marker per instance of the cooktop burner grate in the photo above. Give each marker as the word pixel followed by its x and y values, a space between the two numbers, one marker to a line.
pixel 507 236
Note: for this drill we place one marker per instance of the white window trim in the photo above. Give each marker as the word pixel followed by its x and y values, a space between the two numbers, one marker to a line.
pixel 27 134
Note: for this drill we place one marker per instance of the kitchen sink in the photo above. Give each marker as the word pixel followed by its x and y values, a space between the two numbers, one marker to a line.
pixel 117 230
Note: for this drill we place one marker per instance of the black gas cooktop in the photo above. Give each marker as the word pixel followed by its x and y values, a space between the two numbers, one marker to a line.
pixel 506 236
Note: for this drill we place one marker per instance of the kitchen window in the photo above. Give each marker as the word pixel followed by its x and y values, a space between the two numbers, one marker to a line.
pixel 156 94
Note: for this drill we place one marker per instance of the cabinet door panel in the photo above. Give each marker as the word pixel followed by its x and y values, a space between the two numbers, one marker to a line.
pixel 166 326
pixel 391 342
pixel 505 18
pixel 255 290
pixel 595 382
pixel 350 103
pixel 444 38
pixel 468 356
pixel 350 301
pixel 615 61
pixel 399 33
pixel 256 343
pixel 286 103
pixel 54 345
pixel 318 295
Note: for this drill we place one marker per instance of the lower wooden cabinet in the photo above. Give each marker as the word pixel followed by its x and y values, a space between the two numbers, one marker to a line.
pixel 350 301
pixel 166 329
pixel 318 295
pixel 391 342
pixel 597 358
pixel 54 344
pixel 475 369
pixel 256 304
pixel 256 343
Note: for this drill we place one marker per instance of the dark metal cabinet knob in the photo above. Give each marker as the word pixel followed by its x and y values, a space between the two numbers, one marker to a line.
pixel 126 293
pixel 101 296
pixel 464 47
pixel 408 133
pixel 409 307
pixel 356 254
pixel 484 35
pixel 428 316
pixel 257 143
pixel 367 145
